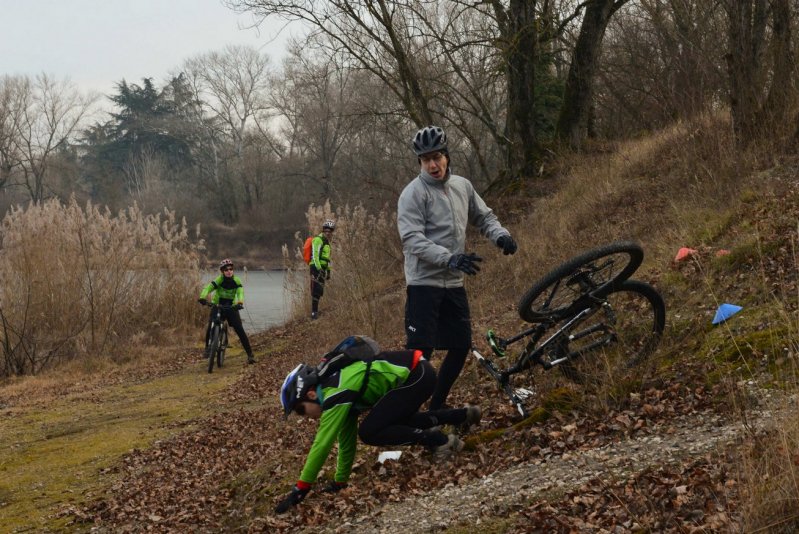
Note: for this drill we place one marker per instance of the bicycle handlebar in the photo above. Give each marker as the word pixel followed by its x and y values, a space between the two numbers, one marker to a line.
pixel 223 306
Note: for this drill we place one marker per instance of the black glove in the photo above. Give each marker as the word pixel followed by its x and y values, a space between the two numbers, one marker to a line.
pixel 202 301
pixel 292 499
pixel 507 244
pixel 465 262
pixel 333 487
pixel 327 274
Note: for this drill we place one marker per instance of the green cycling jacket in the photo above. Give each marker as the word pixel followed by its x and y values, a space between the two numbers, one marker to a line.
pixel 230 290
pixel 320 253
pixel 339 420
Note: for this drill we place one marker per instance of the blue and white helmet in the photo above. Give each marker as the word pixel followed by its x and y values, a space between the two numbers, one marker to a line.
pixel 297 383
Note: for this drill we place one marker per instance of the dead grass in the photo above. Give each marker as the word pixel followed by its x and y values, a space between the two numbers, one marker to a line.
pixel 80 281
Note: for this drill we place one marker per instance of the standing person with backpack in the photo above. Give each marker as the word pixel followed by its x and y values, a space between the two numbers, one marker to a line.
pixel 391 386
pixel 229 291
pixel 432 213
pixel 317 255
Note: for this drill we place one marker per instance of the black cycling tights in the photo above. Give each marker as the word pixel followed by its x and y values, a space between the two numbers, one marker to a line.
pixel 450 369
pixel 396 420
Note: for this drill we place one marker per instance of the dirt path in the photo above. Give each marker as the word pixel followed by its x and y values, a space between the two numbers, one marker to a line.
pixel 486 501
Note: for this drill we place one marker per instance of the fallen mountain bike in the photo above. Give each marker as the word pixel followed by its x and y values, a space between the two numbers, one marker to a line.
pixel 590 320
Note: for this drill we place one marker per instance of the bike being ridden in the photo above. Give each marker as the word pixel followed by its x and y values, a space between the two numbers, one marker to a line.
pixel 228 291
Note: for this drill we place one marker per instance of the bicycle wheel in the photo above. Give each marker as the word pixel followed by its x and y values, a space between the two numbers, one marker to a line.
pixel 213 346
pixel 622 331
pixel 554 296
pixel 220 353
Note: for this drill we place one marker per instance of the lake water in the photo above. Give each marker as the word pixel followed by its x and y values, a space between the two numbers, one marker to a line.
pixel 264 299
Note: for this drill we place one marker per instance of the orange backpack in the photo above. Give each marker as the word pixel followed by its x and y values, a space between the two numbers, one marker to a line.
pixel 306 250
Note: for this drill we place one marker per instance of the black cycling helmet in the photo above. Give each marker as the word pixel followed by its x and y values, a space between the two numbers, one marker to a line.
pixel 430 139
pixel 297 383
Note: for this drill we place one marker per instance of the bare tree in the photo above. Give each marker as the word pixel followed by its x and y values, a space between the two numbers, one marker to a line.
pixel 420 50
pixel 10 118
pixel 578 98
pixel 322 95
pixel 761 83
pixel 234 85
pixel 47 114
pixel 662 60
pixel 232 89
pixel 417 50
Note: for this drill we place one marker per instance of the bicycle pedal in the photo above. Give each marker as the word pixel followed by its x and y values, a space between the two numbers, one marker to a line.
pixel 523 393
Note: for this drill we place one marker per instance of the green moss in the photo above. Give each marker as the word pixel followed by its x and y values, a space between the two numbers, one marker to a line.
pixel 749 344
pixel 52 456
pixel 560 399
pixel 712 224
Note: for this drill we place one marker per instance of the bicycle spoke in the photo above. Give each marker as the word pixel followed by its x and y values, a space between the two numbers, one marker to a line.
pixel 620 335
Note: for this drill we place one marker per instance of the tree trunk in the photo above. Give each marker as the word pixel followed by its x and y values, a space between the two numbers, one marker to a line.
pixel 521 53
pixel 747 24
pixel 572 124
pixel 782 93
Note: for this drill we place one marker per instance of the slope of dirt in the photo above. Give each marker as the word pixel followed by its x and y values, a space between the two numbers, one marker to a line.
pixel 654 458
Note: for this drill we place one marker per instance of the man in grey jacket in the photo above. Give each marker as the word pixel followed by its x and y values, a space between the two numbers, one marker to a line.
pixel 432 214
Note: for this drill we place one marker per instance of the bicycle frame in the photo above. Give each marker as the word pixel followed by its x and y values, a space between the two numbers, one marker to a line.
pixel 218 319
pixel 538 354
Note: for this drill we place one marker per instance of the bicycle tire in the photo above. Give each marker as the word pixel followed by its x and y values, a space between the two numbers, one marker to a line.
pixel 213 346
pixel 557 294
pixel 220 354
pixel 635 316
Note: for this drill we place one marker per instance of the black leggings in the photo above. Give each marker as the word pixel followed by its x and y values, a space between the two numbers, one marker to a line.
pixel 396 420
pixel 448 373
pixel 317 288
pixel 234 320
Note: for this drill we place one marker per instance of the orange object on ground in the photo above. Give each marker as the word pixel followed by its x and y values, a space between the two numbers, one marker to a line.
pixel 684 253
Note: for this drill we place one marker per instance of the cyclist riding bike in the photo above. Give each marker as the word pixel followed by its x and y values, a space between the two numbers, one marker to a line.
pixel 391 386
pixel 228 291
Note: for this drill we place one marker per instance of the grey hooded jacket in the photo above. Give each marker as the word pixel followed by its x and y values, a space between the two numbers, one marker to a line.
pixel 431 219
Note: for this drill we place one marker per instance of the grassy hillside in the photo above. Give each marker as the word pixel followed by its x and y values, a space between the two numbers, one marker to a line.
pixel 686 186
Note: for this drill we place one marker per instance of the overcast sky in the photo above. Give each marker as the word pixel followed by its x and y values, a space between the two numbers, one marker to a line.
pixel 97 43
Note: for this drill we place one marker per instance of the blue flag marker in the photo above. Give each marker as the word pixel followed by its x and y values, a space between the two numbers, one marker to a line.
pixel 725 311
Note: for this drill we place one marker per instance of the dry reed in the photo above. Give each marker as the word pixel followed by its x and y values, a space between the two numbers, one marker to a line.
pixel 81 281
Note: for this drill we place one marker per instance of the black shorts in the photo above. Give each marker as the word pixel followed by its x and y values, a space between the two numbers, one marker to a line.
pixel 437 318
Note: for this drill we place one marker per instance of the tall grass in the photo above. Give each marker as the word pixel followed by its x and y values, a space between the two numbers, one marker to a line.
pixel 79 281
